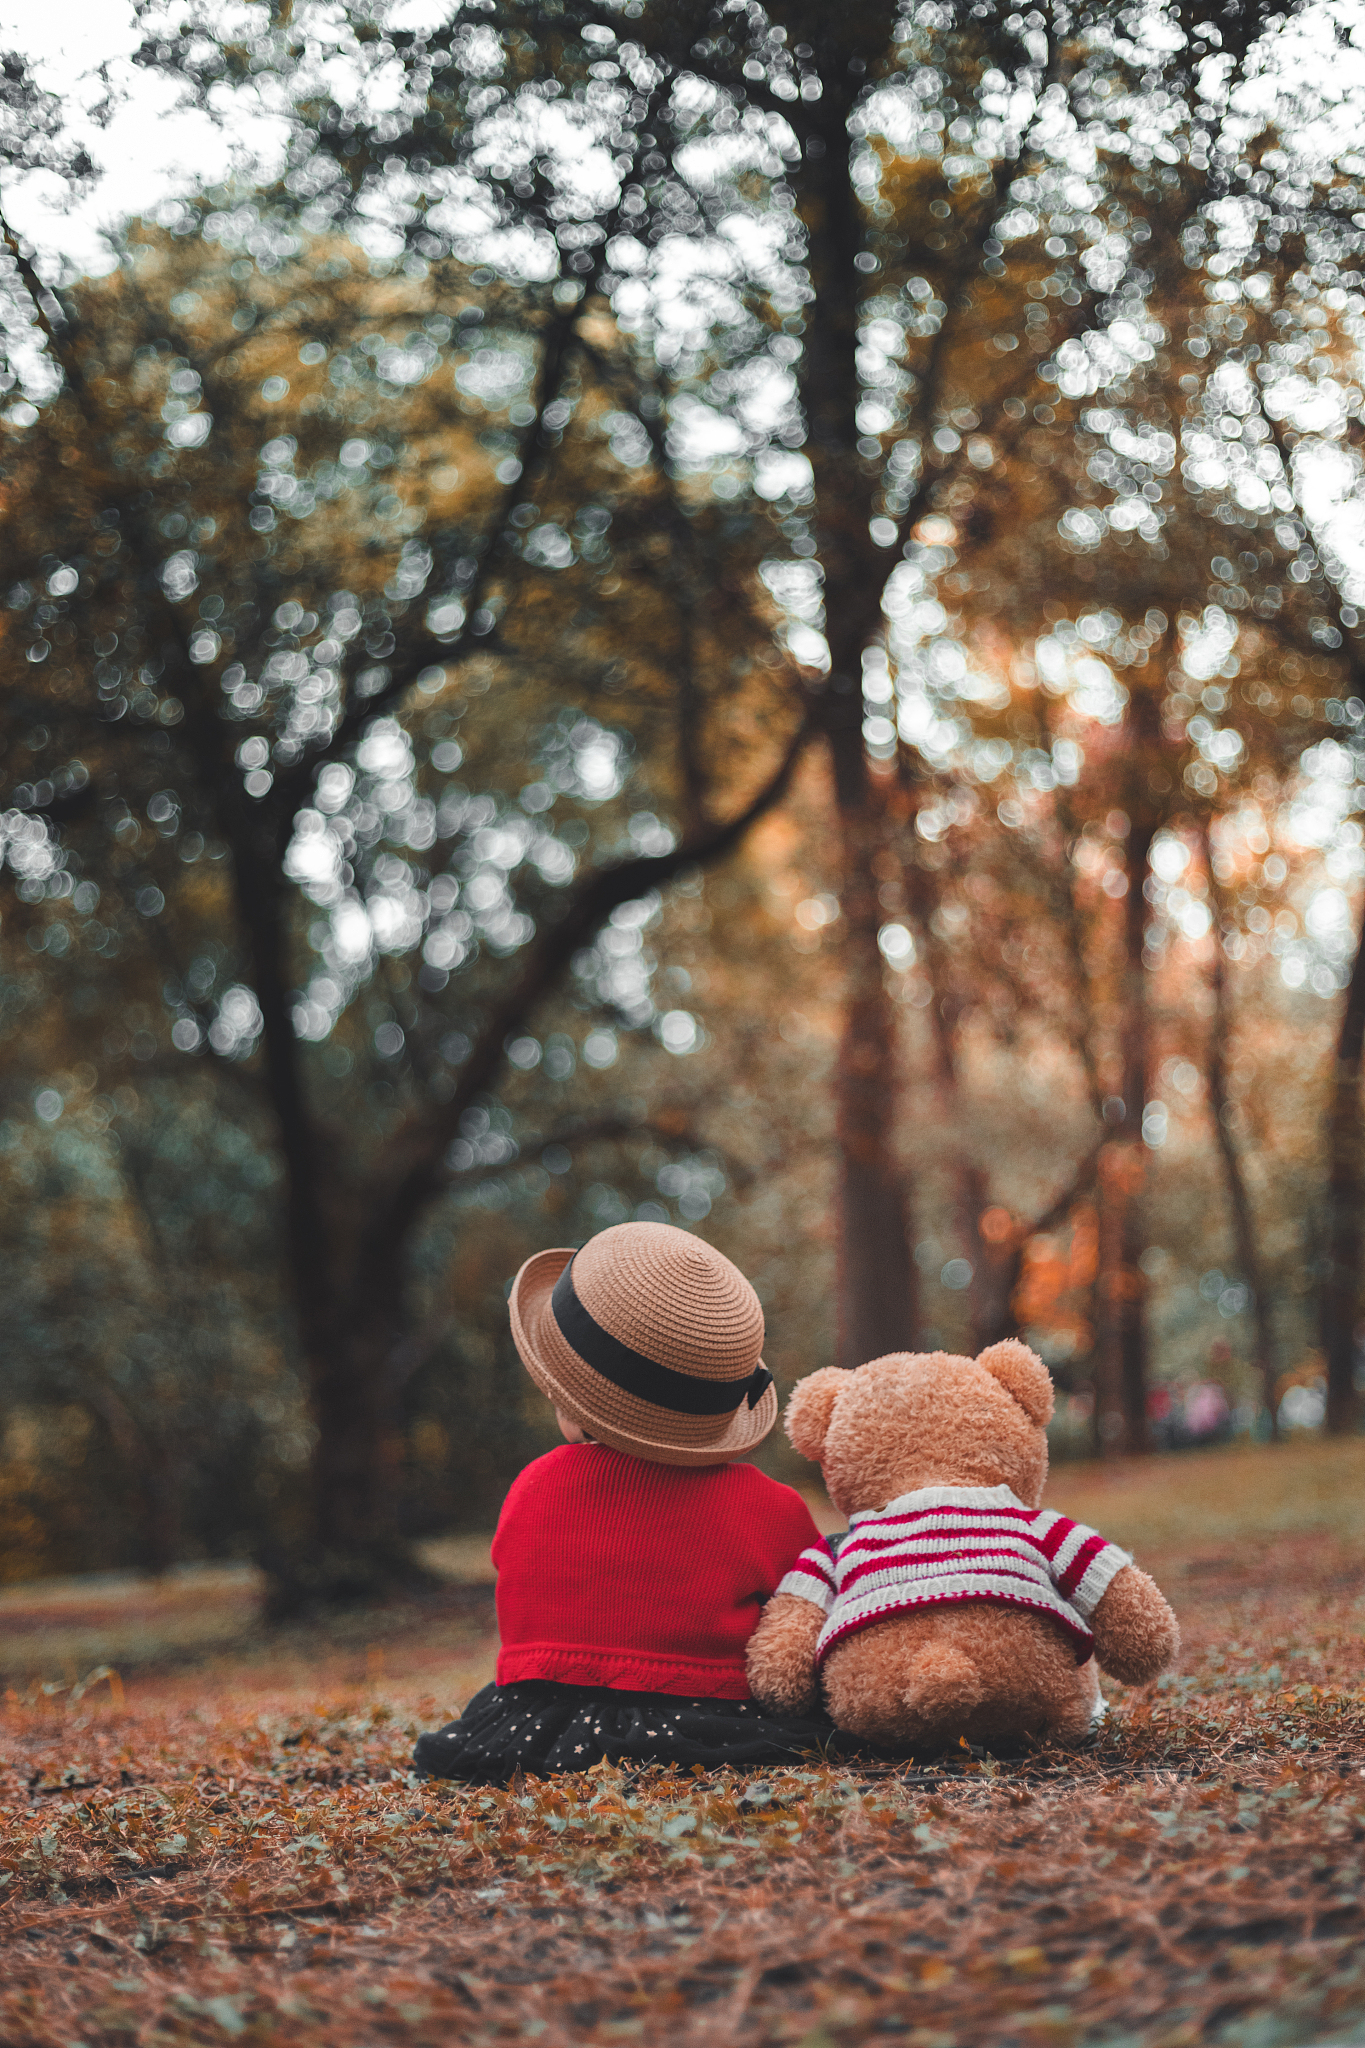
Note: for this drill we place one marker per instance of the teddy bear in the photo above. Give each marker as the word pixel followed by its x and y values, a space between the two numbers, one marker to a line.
pixel 956 1606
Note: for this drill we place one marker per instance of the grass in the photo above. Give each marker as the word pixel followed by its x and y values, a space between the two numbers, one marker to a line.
pixel 236 1853
pixel 1246 1492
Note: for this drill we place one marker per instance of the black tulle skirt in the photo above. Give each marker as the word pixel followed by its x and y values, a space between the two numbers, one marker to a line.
pixel 539 1727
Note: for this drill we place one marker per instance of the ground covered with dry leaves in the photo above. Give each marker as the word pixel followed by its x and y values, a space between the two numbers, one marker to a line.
pixel 226 1845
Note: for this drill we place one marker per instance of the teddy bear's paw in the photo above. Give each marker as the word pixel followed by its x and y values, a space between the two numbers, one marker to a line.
pixel 780 1660
pixel 1136 1634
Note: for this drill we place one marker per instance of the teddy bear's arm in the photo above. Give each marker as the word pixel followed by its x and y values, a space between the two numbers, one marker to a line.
pixel 781 1654
pixel 1136 1634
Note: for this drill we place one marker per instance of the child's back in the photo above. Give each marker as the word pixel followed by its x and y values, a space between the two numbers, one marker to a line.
pixel 615 1571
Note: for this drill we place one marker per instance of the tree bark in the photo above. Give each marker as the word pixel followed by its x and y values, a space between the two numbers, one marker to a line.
pixel 1122 1393
pixel 1107 1415
pixel 1345 1204
pixel 1136 1088
pixel 877 1291
pixel 996 1258
pixel 1239 1200
pixel 163 1504
pixel 878 1295
pixel 357 1404
pixel 153 1470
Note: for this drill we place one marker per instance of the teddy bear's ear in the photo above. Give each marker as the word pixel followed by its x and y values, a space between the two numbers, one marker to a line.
pixel 810 1408
pixel 1023 1375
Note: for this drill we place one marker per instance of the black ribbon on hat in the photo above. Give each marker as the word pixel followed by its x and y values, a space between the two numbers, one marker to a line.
pixel 644 1377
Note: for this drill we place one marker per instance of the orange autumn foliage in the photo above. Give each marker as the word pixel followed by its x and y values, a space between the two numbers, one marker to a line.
pixel 1055 1288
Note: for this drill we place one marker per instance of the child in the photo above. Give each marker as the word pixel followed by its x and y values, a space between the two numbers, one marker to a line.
pixel 633 1561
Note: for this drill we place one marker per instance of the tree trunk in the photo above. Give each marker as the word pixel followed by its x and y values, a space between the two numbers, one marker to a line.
pixel 1239 1200
pixel 349 1316
pixel 1107 1416
pixel 996 1252
pixel 1123 1235
pixel 162 1504
pixel 995 1257
pixel 357 1413
pixel 1244 1234
pixel 1345 1205
pixel 154 1473
pixel 354 1549
pixel 878 1304
pixel 878 1307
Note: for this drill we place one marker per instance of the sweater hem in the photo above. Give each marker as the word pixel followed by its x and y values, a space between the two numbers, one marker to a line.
pixel 624 1671
pixel 1082 1641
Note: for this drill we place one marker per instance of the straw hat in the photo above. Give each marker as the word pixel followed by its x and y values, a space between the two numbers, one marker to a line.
pixel 651 1341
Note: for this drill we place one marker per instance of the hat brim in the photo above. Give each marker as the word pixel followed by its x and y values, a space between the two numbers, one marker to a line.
pixel 606 1413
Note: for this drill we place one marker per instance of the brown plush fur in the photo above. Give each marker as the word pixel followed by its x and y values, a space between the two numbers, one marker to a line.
pixel 977 1669
pixel 918 1680
pixel 785 1661
pixel 1136 1634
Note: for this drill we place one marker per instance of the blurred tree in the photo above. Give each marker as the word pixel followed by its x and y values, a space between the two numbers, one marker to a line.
pixel 141 1291
pixel 1123 523
pixel 1273 447
pixel 1311 325
pixel 1268 1361
pixel 893 264
pixel 214 638
pixel 847 186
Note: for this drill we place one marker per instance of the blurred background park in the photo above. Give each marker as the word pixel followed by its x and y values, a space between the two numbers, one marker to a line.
pixel 742 615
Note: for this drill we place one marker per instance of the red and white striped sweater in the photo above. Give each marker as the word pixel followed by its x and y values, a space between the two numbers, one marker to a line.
pixel 948 1543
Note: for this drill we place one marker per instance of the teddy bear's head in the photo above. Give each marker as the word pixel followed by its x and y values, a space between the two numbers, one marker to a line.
pixel 915 1419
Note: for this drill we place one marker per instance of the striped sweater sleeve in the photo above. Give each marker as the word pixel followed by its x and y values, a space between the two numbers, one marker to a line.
pixel 812 1577
pixel 1083 1564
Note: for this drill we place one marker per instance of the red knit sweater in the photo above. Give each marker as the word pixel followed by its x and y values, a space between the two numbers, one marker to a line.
pixel 646 1578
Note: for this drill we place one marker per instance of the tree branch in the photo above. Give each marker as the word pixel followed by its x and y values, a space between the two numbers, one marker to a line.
pixel 293 789
pixel 586 911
